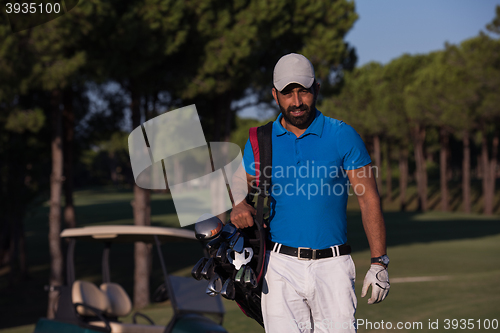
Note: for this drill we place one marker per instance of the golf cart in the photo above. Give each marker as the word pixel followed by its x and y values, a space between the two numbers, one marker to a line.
pixel 85 308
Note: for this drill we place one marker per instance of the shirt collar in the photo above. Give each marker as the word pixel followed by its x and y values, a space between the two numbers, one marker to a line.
pixel 316 126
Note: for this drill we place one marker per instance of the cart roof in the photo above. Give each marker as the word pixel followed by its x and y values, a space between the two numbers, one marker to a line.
pixel 128 234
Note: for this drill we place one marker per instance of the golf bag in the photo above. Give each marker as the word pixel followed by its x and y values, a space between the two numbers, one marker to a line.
pixel 261 141
pixel 227 252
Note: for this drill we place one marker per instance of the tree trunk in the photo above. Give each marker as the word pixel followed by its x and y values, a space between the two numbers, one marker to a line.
pixel 147 116
pixel 421 172
pixel 68 147
pixel 14 207
pixel 443 167
pixel 493 169
pixel 489 174
pixel 18 245
pixel 466 173
pixel 141 209
pixel 141 254
pixel 388 180
pixel 112 167
pixel 56 179
pixel 403 177
pixel 485 171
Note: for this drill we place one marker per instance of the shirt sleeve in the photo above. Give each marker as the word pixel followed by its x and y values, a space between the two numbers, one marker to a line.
pixel 352 149
pixel 248 159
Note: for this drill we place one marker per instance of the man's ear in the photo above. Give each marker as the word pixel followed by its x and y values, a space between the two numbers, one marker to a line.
pixel 275 95
pixel 316 90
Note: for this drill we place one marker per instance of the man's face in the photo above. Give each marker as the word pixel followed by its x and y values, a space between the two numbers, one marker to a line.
pixel 297 104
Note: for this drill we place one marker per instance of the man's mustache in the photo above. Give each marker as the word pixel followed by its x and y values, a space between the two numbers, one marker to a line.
pixel 303 107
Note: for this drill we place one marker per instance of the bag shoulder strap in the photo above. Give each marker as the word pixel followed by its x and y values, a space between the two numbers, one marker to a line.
pixel 262 147
pixel 261 140
pixel 264 133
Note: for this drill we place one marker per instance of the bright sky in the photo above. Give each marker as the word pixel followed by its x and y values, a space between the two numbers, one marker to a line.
pixel 387 29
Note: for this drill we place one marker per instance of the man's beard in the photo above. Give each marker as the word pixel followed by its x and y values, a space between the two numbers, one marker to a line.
pixel 302 121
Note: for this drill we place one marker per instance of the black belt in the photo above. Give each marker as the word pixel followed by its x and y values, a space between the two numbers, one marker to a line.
pixel 305 253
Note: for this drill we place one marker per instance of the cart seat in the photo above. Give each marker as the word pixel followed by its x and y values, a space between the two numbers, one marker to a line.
pixel 87 293
pixel 112 300
pixel 120 303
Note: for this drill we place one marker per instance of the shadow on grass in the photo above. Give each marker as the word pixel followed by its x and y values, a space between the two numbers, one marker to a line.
pixel 410 227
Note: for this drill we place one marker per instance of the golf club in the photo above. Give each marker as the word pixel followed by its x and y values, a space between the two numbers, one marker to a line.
pixel 228 230
pixel 207 227
pixel 250 279
pixel 213 245
pixel 234 239
pixel 215 285
pixel 240 243
pixel 208 270
pixel 228 290
pixel 196 271
pixel 221 253
pixel 240 275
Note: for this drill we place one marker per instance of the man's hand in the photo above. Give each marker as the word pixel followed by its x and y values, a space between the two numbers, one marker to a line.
pixel 242 215
pixel 377 277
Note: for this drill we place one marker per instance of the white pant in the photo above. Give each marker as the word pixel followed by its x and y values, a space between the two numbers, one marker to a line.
pixel 308 295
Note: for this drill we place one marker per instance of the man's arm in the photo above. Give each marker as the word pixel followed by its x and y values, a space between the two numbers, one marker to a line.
pixel 364 185
pixel 242 213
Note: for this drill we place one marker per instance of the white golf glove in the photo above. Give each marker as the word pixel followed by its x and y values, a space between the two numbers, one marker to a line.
pixel 377 277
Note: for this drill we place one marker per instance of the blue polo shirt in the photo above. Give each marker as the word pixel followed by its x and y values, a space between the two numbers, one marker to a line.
pixel 310 186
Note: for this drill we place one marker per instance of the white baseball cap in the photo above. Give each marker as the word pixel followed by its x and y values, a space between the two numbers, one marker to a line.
pixel 293 68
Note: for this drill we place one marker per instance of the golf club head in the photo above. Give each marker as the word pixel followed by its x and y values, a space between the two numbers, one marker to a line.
pixel 240 259
pixel 213 245
pixel 207 227
pixel 240 243
pixel 228 290
pixel 240 275
pixel 234 239
pixel 221 253
pixel 250 279
pixel 228 230
pixel 208 270
pixel 196 271
pixel 214 285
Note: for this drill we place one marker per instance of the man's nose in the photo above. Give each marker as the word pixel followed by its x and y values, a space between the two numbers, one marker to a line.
pixel 297 100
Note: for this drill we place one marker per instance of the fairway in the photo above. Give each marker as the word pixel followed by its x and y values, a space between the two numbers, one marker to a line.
pixel 444 266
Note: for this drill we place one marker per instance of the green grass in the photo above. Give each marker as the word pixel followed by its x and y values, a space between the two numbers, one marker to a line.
pixel 461 251
pixel 470 269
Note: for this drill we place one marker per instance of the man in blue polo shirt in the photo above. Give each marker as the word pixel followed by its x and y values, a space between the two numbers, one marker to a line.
pixel 309 279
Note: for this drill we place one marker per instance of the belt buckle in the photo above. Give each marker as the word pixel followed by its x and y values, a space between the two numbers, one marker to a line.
pixel 306 248
pixel 335 251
